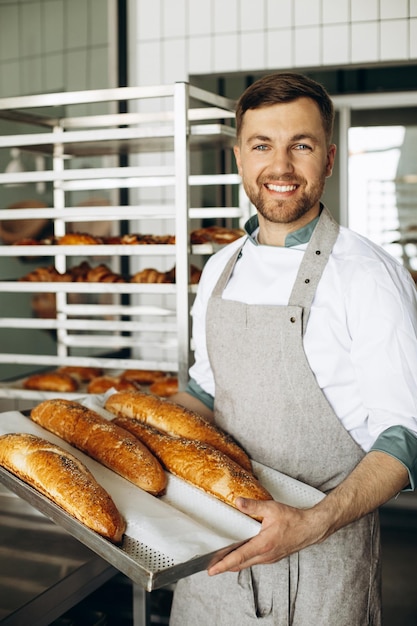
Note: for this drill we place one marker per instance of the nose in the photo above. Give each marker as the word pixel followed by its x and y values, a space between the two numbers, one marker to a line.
pixel 281 162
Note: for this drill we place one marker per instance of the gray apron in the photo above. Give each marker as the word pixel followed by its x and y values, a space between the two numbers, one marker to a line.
pixel 268 398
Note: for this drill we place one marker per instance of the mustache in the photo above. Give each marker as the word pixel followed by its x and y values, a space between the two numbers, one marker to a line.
pixel 279 180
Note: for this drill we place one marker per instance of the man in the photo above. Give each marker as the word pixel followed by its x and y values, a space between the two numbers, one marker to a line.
pixel 306 352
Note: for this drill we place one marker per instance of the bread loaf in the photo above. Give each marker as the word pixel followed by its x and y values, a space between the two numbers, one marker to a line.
pixel 175 420
pixel 197 463
pixel 103 441
pixel 63 479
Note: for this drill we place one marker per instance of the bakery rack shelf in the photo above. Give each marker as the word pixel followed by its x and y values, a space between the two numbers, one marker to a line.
pixel 102 250
pixel 146 155
pixel 90 288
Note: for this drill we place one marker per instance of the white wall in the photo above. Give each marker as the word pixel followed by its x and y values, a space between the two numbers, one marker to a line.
pixel 173 39
pixel 56 45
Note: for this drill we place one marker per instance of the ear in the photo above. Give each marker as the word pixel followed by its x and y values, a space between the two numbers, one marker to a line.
pixel 331 154
pixel 236 150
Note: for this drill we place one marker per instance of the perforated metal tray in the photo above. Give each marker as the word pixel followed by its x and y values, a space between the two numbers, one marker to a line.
pixel 166 538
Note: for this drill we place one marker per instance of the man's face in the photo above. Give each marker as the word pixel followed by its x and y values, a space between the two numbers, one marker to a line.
pixel 283 159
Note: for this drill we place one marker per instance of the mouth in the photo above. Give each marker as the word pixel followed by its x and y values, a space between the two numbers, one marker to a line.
pixel 280 188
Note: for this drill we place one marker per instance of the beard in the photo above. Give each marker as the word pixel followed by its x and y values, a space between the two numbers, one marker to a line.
pixel 285 211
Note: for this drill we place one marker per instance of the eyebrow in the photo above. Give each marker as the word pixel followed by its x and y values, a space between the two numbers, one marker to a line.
pixel 297 137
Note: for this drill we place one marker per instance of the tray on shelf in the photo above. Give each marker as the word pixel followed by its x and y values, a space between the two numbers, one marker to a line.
pixel 167 538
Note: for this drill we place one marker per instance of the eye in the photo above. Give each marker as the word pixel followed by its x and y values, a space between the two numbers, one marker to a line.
pixel 302 147
pixel 261 147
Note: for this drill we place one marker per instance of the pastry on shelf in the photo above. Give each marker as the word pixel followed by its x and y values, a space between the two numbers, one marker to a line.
pixel 80 273
pixel 46 275
pixel 80 373
pixel 165 387
pixel 103 274
pixel 143 377
pixel 149 275
pixel 78 239
pixel 101 384
pixel 195 274
pixel 215 234
pixel 51 381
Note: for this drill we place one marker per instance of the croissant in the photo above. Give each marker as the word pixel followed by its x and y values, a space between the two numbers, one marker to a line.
pixel 148 275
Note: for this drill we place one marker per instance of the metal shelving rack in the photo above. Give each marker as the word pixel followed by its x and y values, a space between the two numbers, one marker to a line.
pixel 185 119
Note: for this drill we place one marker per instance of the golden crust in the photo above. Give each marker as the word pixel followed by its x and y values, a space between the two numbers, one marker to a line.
pixel 82 374
pixel 103 441
pixel 62 478
pixel 142 377
pixel 164 387
pixel 175 420
pixel 101 384
pixel 78 239
pixel 200 464
pixel 51 381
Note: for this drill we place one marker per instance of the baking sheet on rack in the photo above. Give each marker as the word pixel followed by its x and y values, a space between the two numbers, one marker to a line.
pixel 184 523
pixel 15 389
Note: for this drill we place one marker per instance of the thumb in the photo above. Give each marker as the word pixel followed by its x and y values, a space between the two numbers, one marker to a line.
pixel 251 507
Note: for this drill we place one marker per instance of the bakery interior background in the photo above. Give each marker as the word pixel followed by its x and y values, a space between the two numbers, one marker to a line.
pixel 364 51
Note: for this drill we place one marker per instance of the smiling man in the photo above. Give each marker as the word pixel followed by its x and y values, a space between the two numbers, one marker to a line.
pixel 306 352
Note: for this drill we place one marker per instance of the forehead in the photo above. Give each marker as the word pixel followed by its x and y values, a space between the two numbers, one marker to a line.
pixel 295 117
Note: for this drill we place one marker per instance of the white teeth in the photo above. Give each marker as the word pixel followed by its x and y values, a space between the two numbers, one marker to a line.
pixel 281 188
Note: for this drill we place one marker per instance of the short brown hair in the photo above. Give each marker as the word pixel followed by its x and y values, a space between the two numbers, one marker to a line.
pixel 285 87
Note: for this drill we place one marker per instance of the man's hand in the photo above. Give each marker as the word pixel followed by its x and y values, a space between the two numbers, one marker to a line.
pixel 285 530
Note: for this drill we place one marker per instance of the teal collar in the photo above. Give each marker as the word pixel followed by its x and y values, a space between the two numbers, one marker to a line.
pixel 303 235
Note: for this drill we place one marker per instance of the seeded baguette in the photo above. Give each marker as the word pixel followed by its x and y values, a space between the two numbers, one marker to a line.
pixel 62 478
pixel 198 463
pixel 175 420
pixel 103 441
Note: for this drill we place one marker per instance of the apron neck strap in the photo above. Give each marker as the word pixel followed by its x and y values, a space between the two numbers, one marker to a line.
pixel 313 263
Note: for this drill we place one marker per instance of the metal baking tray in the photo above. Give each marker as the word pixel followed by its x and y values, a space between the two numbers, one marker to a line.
pixel 167 538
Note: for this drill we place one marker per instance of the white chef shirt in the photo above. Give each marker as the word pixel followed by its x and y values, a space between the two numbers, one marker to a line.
pixel 361 337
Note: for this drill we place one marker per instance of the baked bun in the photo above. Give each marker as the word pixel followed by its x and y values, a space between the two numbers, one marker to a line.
pixel 215 234
pixel 195 275
pixel 148 275
pixel 78 239
pixel 102 274
pixel 82 374
pixel 51 381
pixel 46 275
pixel 62 478
pixel 164 387
pixel 102 383
pixel 142 377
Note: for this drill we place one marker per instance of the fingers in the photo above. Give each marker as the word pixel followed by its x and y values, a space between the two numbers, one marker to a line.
pixel 251 552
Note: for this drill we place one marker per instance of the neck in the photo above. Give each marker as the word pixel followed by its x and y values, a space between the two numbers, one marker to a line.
pixel 275 233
